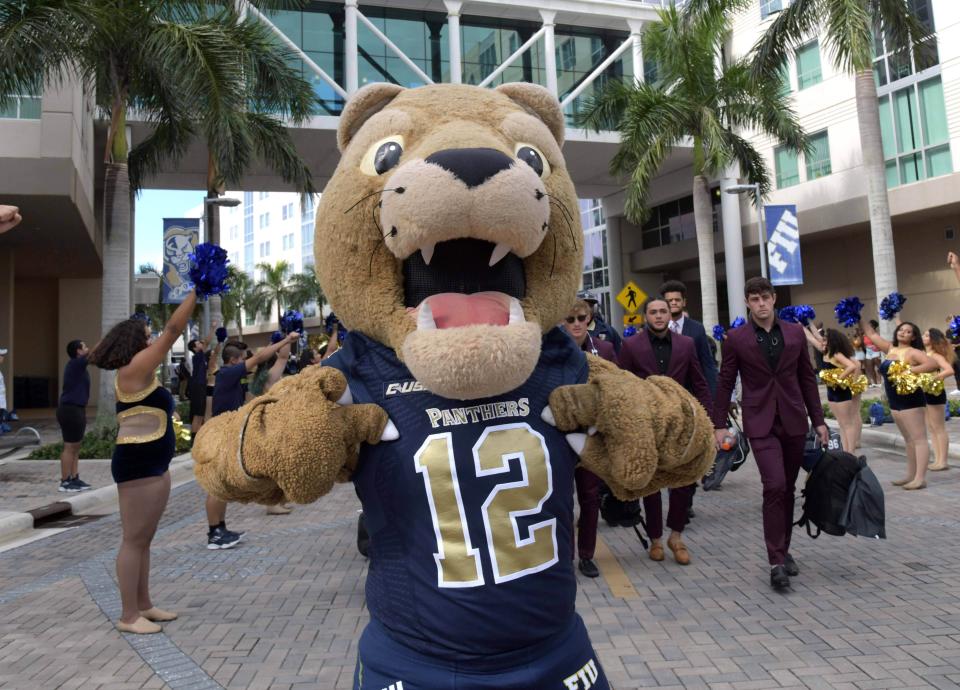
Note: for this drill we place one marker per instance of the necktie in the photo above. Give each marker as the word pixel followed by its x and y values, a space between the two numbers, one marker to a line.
pixel 675 327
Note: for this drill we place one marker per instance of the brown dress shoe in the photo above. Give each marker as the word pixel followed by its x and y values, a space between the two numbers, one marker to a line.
pixel 680 553
pixel 656 551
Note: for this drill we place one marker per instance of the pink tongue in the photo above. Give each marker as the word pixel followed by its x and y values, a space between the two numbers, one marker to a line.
pixel 451 309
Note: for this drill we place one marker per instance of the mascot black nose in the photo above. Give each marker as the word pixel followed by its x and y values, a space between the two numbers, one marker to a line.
pixel 473 167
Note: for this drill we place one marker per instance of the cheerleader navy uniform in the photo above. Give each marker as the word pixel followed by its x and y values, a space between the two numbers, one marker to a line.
pixel 836 395
pixel 940 399
pixel 146 454
pixel 470 514
pixel 899 402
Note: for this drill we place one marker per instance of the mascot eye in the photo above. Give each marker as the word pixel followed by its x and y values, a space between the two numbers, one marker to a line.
pixel 382 156
pixel 532 157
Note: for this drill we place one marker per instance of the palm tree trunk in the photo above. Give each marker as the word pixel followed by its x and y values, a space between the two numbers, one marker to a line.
pixel 881 228
pixel 115 300
pixel 703 215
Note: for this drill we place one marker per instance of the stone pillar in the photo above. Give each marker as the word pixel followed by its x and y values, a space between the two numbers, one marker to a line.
pixel 453 23
pixel 636 33
pixel 732 248
pixel 615 263
pixel 550 51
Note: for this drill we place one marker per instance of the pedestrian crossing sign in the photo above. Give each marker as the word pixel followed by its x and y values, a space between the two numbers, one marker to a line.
pixel 635 320
pixel 631 297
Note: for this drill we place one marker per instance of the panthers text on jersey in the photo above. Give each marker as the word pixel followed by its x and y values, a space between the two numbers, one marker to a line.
pixel 470 511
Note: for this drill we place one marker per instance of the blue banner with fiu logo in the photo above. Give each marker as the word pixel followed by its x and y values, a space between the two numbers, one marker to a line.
pixel 180 237
pixel 783 245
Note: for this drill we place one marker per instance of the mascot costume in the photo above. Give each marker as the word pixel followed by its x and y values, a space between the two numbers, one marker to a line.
pixel 449 243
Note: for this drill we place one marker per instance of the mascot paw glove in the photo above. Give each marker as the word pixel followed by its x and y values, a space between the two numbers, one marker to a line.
pixel 644 434
pixel 293 443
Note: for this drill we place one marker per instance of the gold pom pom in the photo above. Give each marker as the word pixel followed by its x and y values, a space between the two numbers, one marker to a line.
pixel 858 384
pixel 905 381
pixel 833 379
pixel 930 384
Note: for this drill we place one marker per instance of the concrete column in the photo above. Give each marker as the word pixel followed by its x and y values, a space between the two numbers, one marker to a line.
pixel 615 262
pixel 732 248
pixel 636 33
pixel 453 25
pixel 350 30
pixel 550 51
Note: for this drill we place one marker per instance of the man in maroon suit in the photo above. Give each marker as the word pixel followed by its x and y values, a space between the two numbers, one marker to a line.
pixel 588 484
pixel 779 392
pixel 658 352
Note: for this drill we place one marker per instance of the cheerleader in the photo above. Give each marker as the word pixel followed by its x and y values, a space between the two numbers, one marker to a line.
pixel 904 360
pixel 844 382
pixel 938 349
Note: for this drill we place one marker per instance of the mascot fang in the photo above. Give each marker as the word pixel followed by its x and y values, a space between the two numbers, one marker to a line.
pixel 448 242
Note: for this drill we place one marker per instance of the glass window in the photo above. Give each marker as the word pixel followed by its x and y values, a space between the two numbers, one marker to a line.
pixel 818 160
pixel 674 221
pixel 248 258
pixel 768 7
pixel 788 171
pixel 248 229
pixel 785 87
pixel 808 65
pixel 21 108
pixel 915 131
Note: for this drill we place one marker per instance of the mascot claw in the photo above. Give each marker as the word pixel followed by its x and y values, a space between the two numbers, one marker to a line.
pixel 390 432
pixel 547 416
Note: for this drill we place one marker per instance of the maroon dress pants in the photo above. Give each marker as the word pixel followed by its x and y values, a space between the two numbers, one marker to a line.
pixel 679 504
pixel 779 458
pixel 588 496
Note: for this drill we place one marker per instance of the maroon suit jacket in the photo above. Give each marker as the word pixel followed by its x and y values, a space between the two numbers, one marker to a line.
pixel 636 355
pixel 789 393
pixel 603 348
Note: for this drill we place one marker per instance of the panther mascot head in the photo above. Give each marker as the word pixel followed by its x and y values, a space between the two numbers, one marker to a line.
pixel 459 257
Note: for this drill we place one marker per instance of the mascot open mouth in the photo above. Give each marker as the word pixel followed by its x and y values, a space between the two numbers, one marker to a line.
pixel 467 282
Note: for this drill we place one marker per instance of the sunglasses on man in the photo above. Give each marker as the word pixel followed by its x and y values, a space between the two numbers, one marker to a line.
pixel 579 317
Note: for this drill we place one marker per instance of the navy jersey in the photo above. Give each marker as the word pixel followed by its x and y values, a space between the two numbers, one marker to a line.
pixel 470 511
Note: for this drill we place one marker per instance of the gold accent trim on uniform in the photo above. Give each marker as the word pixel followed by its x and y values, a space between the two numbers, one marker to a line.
pixel 135 397
pixel 243 430
pixel 154 412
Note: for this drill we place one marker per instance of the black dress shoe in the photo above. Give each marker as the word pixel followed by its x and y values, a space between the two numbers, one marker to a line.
pixel 791 565
pixel 779 578
pixel 588 567
pixel 691 514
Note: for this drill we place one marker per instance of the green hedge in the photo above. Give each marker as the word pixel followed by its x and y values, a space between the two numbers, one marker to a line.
pixel 954 406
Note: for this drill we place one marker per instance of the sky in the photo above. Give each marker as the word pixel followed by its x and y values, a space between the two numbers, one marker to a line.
pixel 152 206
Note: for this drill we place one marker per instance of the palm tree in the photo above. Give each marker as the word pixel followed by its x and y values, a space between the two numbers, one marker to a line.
pixel 692 100
pixel 275 285
pixel 306 288
pixel 243 298
pixel 186 66
pixel 847 28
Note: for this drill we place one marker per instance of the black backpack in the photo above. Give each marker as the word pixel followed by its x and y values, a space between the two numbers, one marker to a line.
pixel 825 493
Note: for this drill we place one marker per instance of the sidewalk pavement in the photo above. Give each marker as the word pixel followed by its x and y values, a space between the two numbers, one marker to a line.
pixel 284 610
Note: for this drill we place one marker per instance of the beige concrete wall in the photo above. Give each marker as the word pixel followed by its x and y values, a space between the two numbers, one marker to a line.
pixel 843 266
pixel 35 328
pixel 79 318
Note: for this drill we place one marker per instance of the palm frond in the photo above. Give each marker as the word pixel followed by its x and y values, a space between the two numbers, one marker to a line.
pixel 167 143
pixel 848 34
pixel 791 28
pixel 274 145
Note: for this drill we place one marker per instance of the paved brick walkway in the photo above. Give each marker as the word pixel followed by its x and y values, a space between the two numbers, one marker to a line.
pixel 284 610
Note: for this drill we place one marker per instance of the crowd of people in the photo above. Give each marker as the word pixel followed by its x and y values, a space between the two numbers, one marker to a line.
pixel 766 360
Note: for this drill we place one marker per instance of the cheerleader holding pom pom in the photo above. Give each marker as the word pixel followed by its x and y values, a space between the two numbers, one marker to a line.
pixel 844 382
pixel 938 349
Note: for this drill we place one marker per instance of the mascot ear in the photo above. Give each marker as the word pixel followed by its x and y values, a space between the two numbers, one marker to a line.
pixel 539 102
pixel 363 105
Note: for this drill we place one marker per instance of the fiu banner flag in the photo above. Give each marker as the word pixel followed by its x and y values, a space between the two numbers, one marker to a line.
pixel 180 236
pixel 783 245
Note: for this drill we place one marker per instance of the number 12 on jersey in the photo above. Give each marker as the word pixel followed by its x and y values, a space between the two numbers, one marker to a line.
pixel 512 555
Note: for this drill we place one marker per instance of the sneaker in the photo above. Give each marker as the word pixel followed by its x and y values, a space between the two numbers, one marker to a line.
pixel 588 567
pixel 238 535
pixel 6 428
pixel 791 566
pixel 221 538
pixel 68 486
pixel 778 577
pixel 82 485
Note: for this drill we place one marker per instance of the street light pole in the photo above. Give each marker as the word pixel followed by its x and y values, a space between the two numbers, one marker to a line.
pixel 761 235
pixel 211 209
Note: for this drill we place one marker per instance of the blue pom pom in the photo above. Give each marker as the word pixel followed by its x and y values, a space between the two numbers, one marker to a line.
pixel 954 330
pixel 737 322
pixel 330 322
pixel 789 314
pixel 805 313
pixel 719 333
pixel 221 334
pixel 276 337
pixel 291 321
pixel 629 330
pixel 891 305
pixel 208 270
pixel 141 316
pixel 848 311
